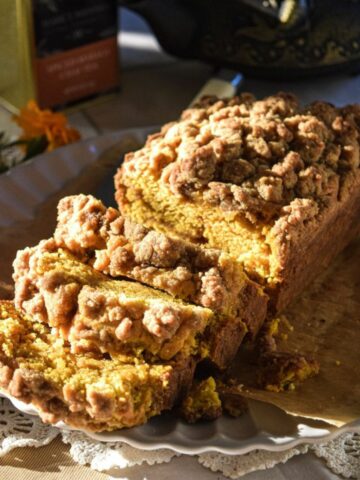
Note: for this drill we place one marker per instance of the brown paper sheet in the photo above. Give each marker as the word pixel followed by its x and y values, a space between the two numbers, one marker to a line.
pixel 326 322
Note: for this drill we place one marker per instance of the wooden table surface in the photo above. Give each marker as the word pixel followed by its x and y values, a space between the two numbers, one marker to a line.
pixel 154 89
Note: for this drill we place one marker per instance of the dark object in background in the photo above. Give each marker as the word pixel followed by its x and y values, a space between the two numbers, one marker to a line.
pixel 75 49
pixel 57 51
pixel 268 38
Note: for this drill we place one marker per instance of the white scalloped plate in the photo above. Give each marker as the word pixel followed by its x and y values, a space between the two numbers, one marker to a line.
pixel 265 426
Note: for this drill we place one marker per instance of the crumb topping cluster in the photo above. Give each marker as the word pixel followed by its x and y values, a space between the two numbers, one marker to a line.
pixel 117 246
pixel 100 314
pixel 253 156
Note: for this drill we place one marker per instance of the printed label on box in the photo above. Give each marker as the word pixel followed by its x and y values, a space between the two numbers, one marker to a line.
pixel 75 49
pixel 77 73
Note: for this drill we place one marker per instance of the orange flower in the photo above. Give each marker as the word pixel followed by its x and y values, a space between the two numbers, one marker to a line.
pixel 36 123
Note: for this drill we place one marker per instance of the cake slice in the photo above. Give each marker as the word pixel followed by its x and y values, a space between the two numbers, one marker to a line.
pixel 117 247
pixel 274 184
pixel 98 314
pixel 37 367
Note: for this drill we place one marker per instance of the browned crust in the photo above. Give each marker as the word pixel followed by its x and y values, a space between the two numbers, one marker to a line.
pixel 316 243
pixel 255 309
pixel 224 342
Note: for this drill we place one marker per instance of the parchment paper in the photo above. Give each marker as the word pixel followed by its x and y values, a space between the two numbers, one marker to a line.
pixel 326 322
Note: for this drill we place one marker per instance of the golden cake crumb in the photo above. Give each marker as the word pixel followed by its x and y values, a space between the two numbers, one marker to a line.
pixel 202 402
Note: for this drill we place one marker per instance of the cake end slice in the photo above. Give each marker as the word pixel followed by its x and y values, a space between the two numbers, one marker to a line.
pixel 95 394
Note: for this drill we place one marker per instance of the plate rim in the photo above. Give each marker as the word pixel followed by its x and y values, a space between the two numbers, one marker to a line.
pixel 262 443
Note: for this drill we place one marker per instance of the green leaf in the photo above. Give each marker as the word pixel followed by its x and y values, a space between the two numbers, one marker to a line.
pixel 35 146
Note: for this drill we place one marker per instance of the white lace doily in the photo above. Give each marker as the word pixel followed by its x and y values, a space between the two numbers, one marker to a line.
pixel 341 455
pixel 105 456
pixel 235 466
pixel 20 430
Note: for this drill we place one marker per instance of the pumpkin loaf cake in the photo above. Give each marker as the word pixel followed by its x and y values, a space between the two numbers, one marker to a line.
pixel 98 314
pixel 118 247
pixel 38 367
pixel 275 184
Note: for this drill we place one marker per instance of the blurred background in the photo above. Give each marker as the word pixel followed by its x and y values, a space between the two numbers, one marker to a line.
pixel 115 67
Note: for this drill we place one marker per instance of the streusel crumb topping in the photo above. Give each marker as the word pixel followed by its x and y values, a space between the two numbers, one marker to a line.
pixel 255 156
